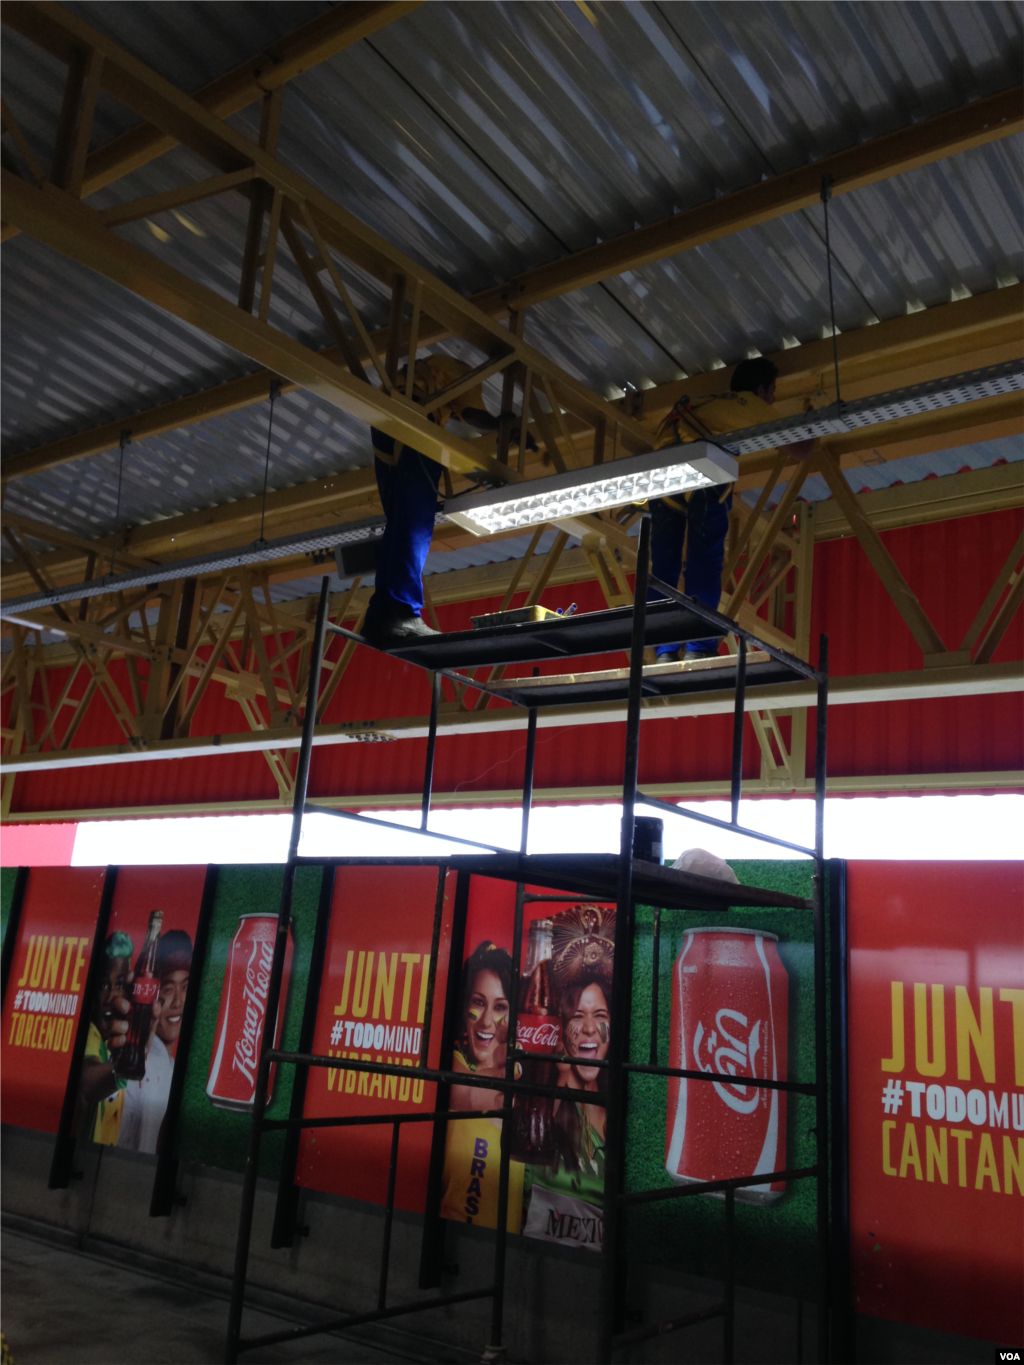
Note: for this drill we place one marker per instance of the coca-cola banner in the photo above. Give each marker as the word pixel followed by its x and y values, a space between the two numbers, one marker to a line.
pixel 736 1002
pixel 231 1013
pixel 372 1007
pixel 936 1056
pixel 556 1182
pixel 136 1014
pixel 45 992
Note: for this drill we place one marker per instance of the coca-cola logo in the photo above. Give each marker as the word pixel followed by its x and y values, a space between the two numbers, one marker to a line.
pixel 731 1049
pixel 254 993
pixel 538 1035
pixel 145 990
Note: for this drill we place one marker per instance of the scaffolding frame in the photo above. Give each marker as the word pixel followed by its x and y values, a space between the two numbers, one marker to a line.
pixel 622 879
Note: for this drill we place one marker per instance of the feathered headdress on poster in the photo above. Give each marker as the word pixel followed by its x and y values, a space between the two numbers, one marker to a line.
pixel 583 946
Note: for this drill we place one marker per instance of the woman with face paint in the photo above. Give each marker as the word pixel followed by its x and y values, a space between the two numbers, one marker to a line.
pixel 565 1197
pixel 473 1146
pixel 483 1042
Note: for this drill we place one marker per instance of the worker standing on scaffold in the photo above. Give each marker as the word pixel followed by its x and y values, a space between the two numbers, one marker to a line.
pixel 408 483
pixel 700 520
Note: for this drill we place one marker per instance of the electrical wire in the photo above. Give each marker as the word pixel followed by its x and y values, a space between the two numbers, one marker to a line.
pixel 826 195
pixel 126 440
pixel 275 390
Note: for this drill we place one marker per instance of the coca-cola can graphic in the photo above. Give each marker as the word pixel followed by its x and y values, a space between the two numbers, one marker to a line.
pixel 231 1083
pixel 730 1015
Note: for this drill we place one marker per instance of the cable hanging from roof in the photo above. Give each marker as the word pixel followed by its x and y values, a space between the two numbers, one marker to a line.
pixel 826 195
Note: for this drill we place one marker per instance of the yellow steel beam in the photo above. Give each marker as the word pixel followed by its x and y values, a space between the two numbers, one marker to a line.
pixel 958 680
pixel 997 489
pixel 305 47
pixel 132 83
pixel 907 350
pixel 957 130
pixel 890 783
pixel 63 223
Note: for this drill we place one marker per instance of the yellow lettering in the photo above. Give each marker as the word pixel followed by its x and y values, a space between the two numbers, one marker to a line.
pixel 986 1164
pixel 70 943
pixel 1013 1165
pixel 961 1136
pixel 1016 1000
pixel 52 964
pixel 417 1092
pixel 375 1082
pixel 364 1076
pixel 937 1065
pixel 424 979
pixel 361 994
pixel 887 1166
pixel 19 1040
pixel 895 1062
pixel 14 1025
pixel 409 961
pixel 405 1083
pixel 979 1032
pixel 385 992
pixel 79 964
pixel 332 1073
pixel 910 1156
pixel 35 974
pixel 936 1155
pixel 351 1076
pixel 28 959
pixel 340 1009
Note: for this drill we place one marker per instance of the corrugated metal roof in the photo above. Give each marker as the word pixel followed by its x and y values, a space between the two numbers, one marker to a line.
pixel 484 139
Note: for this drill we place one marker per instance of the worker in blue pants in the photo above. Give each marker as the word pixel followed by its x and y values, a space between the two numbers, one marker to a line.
pixel 699 521
pixel 408 482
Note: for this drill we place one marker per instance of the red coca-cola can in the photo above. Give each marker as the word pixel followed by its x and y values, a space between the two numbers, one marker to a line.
pixel 231 1083
pixel 730 1017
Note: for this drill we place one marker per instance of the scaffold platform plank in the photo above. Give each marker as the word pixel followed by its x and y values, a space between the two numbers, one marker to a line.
pixel 595 876
pixel 562 637
pixel 659 680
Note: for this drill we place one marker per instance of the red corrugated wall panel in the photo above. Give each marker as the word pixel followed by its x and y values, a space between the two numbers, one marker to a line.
pixel 950 564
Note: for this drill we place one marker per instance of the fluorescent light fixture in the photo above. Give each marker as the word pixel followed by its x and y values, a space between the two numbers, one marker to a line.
pixel 578 492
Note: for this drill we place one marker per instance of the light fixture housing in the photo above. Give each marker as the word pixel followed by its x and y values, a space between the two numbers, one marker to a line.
pixel 577 493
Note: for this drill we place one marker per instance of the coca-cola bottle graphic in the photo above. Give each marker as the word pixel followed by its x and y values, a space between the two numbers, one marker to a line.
pixel 538 1031
pixel 129 1060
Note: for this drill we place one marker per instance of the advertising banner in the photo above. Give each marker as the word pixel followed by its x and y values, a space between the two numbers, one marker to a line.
pixel 372 1007
pixel 556 1182
pixel 936 1060
pixel 135 1017
pixel 735 997
pixel 231 1014
pixel 45 992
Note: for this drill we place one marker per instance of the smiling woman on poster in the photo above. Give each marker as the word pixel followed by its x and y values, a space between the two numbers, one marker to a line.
pixel 563 1194
pixel 473 1146
pixel 564 1197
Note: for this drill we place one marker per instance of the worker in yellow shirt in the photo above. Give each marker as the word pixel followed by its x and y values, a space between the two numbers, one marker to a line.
pixel 699 520
pixel 407 481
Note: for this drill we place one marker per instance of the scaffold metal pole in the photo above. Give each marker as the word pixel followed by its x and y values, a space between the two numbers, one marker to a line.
pixel 613 1251
pixel 274 988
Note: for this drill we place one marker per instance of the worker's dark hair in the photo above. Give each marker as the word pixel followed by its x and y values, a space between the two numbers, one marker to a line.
pixel 751 375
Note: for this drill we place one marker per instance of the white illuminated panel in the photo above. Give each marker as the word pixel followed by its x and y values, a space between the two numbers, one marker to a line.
pixel 577 492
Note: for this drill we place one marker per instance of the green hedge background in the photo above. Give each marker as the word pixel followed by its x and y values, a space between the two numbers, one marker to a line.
pixel 218 1137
